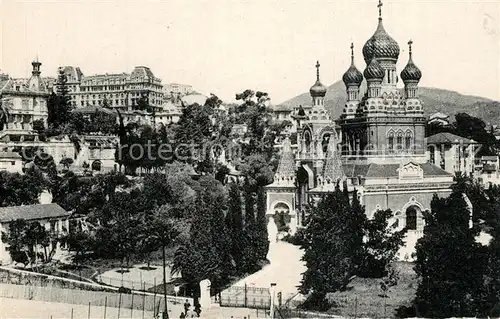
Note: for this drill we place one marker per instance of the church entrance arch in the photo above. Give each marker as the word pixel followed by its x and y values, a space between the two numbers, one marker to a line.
pixel 282 216
pixel 307 176
pixel 411 217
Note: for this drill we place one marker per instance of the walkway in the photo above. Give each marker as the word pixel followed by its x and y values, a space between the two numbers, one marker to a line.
pixel 285 269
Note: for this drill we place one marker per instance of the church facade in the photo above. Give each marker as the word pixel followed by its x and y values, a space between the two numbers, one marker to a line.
pixel 377 146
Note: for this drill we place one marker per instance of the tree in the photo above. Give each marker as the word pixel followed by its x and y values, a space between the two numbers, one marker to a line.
pixel 339 243
pixel 66 162
pixel 19 248
pixel 262 241
pixel 39 126
pixel 258 171
pixel 161 229
pixel 234 222
pixel 79 242
pixel 382 243
pixel 205 254
pixel 445 253
pixel 59 104
pixel 24 238
pixel 330 251
pixel 17 189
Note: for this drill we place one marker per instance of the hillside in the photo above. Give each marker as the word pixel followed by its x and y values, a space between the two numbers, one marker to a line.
pixel 434 100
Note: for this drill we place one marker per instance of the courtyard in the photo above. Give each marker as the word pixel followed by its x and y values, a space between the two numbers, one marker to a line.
pixel 137 277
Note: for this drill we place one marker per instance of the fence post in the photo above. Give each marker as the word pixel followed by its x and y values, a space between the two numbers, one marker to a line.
pixel 105 305
pixel 132 307
pixel 119 304
pixel 89 311
pixel 245 295
pixel 154 298
pixel 71 313
pixel 143 304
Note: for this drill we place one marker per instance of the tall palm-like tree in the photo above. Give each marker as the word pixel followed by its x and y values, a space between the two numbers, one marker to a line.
pixel 162 229
pixel 5 107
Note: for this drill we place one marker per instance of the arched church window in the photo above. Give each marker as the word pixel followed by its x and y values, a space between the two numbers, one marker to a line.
pixel 411 218
pixel 390 139
pixel 324 143
pixel 408 138
pixel 307 139
pixel 399 140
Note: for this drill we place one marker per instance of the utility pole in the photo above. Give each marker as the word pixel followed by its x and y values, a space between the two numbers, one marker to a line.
pixel 165 313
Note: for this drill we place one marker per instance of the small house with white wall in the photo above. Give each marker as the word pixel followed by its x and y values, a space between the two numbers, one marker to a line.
pixel 489 172
pixel 11 162
pixel 439 118
pixel 451 152
pixel 52 216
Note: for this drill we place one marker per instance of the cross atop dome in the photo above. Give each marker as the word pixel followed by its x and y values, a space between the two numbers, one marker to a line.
pixel 317 70
pixel 318 90
pixel 409 46
pixel 352 52
pixel 379 5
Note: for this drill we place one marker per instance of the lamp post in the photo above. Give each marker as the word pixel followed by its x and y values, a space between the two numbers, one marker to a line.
pixel 271 292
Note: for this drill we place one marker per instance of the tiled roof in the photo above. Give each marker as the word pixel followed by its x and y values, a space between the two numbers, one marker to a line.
pixel 31 212
pixel 355 170
pixel 433 170
pixel 286 166
pixel 489 158
pixel 90 109
pixel 438 115
pixel 448 138
pixel 388 170
pixel 333 167
pixel 382 170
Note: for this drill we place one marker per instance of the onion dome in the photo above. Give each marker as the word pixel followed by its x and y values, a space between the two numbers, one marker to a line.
pixel 352 76
pixel 380 45
pixel 318 89
pixel 374 71
pixel 411 72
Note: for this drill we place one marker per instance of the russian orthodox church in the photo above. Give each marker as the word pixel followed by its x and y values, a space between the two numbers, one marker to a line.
pixel 377 145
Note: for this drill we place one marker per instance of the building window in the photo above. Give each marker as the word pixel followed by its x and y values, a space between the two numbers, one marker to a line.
pixel 391 141
pixel 432 155
pixel 411 218
pixel 408 140
pixel 399 141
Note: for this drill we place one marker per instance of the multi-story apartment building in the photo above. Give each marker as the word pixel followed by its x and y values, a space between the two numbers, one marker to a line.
pixel 176 88
pixel 122 91
pixel 26 101
pixel 488 171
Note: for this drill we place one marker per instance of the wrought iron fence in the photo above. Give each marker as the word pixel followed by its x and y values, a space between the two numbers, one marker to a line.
pixel 248 297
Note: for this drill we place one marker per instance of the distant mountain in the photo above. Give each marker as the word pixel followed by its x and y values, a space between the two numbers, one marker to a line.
pixel 433 100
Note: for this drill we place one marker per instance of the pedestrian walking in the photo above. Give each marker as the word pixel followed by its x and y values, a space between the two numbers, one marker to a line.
pixel 186 306
pixel 197 309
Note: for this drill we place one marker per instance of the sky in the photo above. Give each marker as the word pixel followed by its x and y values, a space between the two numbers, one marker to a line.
pixel 226 46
